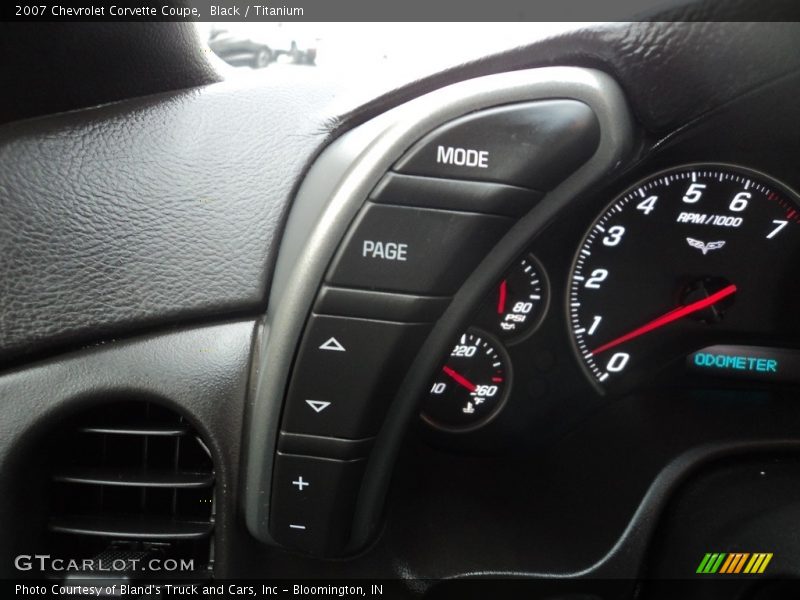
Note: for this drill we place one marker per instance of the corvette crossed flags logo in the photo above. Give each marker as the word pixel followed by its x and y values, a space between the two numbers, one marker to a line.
pixel 705 247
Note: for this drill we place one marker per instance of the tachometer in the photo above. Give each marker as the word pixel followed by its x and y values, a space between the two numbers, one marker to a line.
pixel 692 256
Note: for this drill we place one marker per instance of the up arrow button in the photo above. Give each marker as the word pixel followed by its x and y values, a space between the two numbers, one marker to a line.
pixel 333 344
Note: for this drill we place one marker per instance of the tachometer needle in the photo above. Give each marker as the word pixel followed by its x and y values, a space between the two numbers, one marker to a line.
pixel 501 299
pixel 460 379
pixel 673 315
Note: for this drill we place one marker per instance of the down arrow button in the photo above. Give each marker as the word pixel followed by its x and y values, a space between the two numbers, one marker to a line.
pixel 318 405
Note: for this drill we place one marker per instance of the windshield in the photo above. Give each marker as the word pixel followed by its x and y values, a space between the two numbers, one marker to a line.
pixel 364 51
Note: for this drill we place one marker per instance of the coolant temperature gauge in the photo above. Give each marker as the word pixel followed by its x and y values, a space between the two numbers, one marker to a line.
pixel 517 304
pixel 472 385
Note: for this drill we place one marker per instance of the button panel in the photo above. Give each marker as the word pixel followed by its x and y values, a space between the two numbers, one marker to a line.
pixel 413 250
pixel 312 502
pixel 418 233
pixel 346 374
pixel 533 144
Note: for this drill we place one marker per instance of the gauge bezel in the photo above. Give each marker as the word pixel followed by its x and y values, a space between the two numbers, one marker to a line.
pixel 779 186
pixel 501 402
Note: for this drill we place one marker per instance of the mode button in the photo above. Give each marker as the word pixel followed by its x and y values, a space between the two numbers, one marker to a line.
pixel 532 144
pixel 414 250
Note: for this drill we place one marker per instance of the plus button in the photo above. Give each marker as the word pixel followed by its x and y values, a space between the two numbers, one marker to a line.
pixel 300 483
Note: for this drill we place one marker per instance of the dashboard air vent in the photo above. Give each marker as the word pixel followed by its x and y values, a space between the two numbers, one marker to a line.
pixel 133 479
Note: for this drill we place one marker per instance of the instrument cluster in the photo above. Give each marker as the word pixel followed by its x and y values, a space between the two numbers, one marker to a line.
pixel 685 278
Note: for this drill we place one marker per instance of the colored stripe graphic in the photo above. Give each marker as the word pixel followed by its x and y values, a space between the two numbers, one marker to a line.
pixel 703 563
pixel 711 563
pixel 758 563
pixel 734 563
pixel 732 558
pixel 715 566
pixel 741 562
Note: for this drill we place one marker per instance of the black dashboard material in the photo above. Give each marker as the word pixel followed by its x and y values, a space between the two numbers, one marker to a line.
pixel 46 77
pixel 147 213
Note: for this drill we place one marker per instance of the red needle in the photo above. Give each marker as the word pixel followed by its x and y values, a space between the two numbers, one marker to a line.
pixel 673 315
pixel 460 379
pixel 501 301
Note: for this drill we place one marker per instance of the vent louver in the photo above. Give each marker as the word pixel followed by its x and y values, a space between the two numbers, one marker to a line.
pixel 132 477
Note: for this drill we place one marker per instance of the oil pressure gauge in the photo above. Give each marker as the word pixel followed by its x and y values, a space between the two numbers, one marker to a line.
pixel 517 303
pixel 472 385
